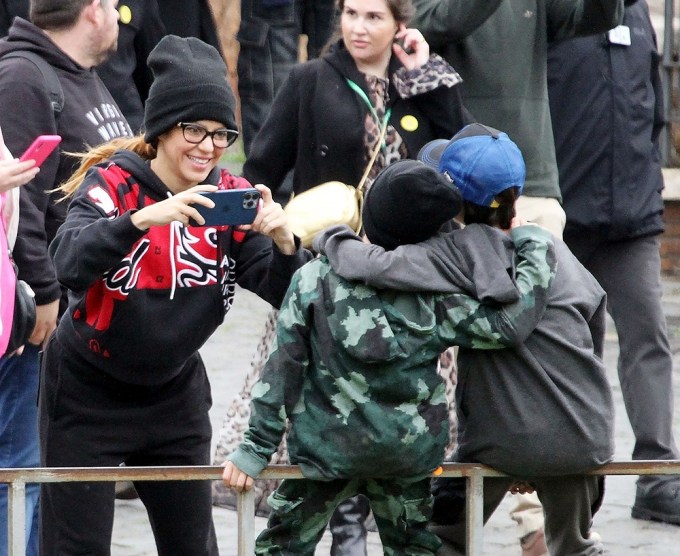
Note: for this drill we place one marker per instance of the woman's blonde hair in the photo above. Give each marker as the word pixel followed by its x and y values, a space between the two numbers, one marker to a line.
pixel 101 153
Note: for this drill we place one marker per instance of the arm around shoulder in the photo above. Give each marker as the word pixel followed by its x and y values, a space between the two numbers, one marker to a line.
pixel 406 268
pixel 470 323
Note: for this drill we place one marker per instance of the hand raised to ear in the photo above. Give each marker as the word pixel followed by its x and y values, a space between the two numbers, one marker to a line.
pixel 415 51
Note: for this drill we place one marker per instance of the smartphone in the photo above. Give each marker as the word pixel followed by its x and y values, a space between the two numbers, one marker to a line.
pixel 407 49
pixel 232 207
pixel 41 148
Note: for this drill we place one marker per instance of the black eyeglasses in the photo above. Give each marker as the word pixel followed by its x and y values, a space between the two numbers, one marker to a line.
pixel 196 133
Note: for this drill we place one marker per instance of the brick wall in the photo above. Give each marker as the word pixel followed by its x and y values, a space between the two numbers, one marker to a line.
pixel 670 240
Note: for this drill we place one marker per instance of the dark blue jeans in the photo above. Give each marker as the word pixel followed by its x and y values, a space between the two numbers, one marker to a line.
pixel 268 39
pixel 19 436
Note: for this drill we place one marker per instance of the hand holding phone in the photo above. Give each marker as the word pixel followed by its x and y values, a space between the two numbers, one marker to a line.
pixel 410 47
pixel 407 48
pixel 41 148
pixel 233 207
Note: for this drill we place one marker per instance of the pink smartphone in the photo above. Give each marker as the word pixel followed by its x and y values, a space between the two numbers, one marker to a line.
pixel 41 148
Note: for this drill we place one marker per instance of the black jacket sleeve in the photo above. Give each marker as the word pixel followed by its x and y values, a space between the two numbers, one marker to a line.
pixel 151 33
pixel 126 74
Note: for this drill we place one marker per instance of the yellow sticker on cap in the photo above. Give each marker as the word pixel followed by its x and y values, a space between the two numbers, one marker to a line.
pixel 125 14
pixel 409 123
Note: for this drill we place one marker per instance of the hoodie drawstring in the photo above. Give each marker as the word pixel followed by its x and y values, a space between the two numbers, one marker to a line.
pixel 174 225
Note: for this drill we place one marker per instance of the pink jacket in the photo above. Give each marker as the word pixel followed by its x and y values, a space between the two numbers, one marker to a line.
pixel 9 215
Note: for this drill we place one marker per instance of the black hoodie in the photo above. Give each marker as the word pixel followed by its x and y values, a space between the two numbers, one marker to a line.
pixel 89 117
pixel 142 303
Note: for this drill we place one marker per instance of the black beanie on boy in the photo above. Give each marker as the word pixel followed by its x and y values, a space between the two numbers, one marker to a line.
pixel 407 203
pixel 190 84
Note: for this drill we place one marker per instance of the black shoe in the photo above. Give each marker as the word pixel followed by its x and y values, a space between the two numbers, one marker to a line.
pixel 658 502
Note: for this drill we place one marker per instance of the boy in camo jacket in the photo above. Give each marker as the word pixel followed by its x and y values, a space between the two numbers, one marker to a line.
pixel 354 371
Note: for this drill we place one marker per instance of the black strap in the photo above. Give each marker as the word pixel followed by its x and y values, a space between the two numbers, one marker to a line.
pixel 49 75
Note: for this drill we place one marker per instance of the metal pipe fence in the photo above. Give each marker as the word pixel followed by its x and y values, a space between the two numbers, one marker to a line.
pixel 16 479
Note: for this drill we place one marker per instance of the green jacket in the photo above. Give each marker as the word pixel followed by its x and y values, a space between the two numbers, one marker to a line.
pixel 354 368
pixel 499 47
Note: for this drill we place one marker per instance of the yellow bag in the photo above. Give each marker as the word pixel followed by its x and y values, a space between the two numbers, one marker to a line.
pixel 329 203
pixel 322 206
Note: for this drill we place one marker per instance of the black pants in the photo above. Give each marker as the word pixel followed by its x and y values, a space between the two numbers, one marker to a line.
pixel 88 419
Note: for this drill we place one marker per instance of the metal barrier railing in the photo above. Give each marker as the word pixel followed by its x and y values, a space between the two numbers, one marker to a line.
pixel 16 479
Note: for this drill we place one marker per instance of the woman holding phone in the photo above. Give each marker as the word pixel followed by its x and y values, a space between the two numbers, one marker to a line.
pixel 122 379
pixel 14 172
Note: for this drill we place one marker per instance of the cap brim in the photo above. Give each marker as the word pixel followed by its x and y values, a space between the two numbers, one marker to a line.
pixel 431 153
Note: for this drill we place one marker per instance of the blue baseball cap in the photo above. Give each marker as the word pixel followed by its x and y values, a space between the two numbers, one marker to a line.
pixel 480 160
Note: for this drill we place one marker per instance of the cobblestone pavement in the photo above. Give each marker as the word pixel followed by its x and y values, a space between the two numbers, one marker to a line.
pixel 228 356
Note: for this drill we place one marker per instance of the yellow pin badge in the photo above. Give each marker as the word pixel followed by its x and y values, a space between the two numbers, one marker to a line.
pixel 125 14
pixel 409 123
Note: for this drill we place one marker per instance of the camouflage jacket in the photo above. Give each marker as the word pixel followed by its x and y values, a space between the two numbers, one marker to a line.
pixel 354 368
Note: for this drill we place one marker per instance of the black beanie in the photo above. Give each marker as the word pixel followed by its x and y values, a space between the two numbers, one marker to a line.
pixel 407 203
pixel 190 84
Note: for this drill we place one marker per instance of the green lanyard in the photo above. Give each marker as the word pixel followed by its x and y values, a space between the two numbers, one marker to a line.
pixel 359 91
